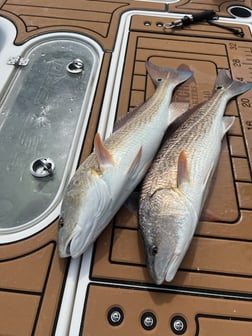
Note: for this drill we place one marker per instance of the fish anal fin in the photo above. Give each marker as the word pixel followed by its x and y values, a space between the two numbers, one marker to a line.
pixel 102 153
pixel 227 123
pixel 135 163
pixel 124 119
pixel 209 216
pixel 183 175
pixel 208 177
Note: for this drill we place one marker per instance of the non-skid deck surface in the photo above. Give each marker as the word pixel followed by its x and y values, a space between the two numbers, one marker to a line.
pixel 212 290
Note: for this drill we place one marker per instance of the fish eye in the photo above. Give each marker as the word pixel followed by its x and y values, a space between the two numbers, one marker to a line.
pixel 154 250
pixel 61 222
pixel 159 80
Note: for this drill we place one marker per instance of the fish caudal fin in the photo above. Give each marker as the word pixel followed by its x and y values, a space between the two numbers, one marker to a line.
pixel 158 74
pixel 232 87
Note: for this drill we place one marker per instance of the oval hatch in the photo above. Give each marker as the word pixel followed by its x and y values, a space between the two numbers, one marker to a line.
pixel 43 114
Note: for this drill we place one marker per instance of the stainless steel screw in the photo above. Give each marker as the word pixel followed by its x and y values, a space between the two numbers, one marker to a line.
pixel 115 316
pixel 178 325
pixel 148 321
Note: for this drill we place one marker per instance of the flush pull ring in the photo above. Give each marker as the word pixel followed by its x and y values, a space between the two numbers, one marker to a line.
pixel 42 167
pixel 76 66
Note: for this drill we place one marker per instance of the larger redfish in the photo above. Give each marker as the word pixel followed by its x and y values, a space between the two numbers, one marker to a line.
pixel 176 185
pixel 107 177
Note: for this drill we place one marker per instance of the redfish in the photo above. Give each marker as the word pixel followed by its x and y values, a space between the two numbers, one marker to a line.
pixel 111 172
pixel 176 186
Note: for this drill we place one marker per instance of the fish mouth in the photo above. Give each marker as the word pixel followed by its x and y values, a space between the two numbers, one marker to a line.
pixel 156 266
pixel 158 273
pixel 172 268
pixel 68 248
pixel 167 272
pixel 65 251
pixel 77 244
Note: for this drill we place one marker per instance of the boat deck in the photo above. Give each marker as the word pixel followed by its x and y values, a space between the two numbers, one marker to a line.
pixel 211 293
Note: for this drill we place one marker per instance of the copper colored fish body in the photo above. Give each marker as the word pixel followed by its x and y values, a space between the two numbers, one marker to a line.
pixel 177 183
pixel 106 178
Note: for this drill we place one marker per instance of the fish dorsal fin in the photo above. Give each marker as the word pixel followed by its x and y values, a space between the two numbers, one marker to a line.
pixel 135 163
pixel 183 171
pixel 177 110
pixel 227 123
pixel 102 153
pixel 124 119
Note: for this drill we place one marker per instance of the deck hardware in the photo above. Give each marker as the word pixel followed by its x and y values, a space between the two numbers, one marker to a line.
pixel 193 18
pixel 18 61
pixel 147 23
pixel 42 167
pixel 115 316
pixel 76 66
pixel 148 320
pixel 159 24
pixel 178 325
pixel 208 16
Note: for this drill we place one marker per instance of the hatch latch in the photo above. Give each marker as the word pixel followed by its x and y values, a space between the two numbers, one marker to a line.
pixel 18 61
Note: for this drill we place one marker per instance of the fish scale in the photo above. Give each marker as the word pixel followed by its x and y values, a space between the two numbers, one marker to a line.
pixel 176 186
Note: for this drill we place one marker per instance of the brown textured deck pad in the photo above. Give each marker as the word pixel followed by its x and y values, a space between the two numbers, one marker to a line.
pixel 202 315
pixel 31 283
pixel 220 254
pixel 18 313
pixel 218 264
pixel 97 19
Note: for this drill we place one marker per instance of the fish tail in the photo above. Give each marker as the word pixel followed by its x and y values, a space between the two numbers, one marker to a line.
pixel 158 74
pixel 232 87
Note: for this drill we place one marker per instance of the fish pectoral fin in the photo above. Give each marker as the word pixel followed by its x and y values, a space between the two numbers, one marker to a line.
pixel 132 171
pixel 177 110
pixel 227 123
pixel 183 175
pixel 103 155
